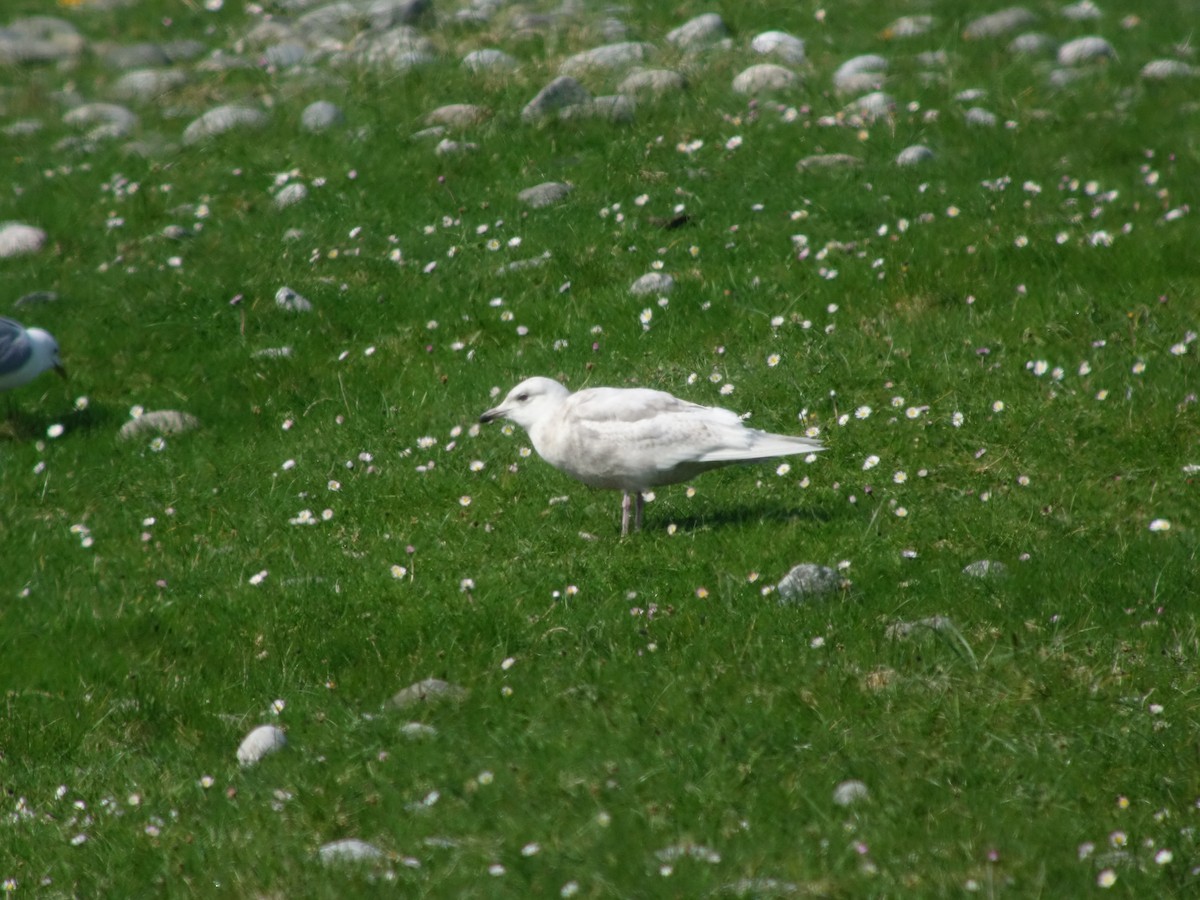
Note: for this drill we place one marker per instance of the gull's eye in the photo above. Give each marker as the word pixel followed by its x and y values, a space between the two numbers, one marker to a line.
pixel 522 397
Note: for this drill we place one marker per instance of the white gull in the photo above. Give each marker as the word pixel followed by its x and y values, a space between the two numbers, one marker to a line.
pixel 25 353
pixel 632 439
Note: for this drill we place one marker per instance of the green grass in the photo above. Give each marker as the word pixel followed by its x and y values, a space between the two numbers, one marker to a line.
pixel 1061 711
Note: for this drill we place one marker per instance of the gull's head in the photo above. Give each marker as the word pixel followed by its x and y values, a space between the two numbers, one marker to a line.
pixel 529 402
pixel 45 351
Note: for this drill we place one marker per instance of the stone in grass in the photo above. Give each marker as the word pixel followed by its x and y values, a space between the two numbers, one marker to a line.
pixel 980 117
pixel 321 115
pixel 458 115
pixel 518 265
pixel 899 631
pixel 262 741
pixel 400 49
pixel 429 691
pixel 290 195
pixel 39 39
pixel 807 581
pixel 159 421
pixel 999 23
pixel 763 78
pixel 914 155
pixel 609 56
pixel 875 105
pixel 986 568
pixel 145 85
pixel 17 239
pixel 1031 43
pixel 291 301
pixel 221 119
pixel 653 283
pixel 489 60
pixel 780 44
pixel 447 147
pixel 111 120
pixel 909 26
pixel 703 29
pixel 349 850
pixel 759 887
pixel 866 72
pixel 848 793
pixel 545 194
pixel 1085 49
pixel 615 108
pixel 272 353
pixel 1083 11
pixel 416 731
pixel 560 93
pixel 828 161
pixel 1163 69
pixel 652 81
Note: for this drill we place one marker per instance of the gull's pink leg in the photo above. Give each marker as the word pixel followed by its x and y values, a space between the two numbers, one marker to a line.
pixel 625 513
pixel 637 519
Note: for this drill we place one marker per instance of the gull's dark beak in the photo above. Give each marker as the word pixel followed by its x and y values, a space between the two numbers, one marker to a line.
pixel 490 416
pixel 60 369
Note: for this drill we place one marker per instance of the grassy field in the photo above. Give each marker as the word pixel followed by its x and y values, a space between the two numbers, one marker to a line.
pixel 998 348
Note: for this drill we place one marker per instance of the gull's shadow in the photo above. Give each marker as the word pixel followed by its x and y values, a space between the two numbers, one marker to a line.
pixel 22 425
pixel 738 514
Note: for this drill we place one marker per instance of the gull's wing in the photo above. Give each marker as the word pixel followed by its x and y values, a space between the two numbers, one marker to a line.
pixel 15 346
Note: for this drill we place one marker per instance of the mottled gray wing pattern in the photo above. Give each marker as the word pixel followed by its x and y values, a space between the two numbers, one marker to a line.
pixel 15 347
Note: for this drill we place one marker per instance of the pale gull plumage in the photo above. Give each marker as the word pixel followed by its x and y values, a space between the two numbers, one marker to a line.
pixel 25 353
pixel 632 439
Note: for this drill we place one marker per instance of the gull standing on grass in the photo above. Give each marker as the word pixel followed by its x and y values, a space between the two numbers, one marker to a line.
pixel 25 353
pixel 632 439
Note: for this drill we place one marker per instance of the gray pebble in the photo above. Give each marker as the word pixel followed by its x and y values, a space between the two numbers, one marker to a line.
pixel 1083 11
pixel 22 128
pixel 290 194
pixel 339 21
pixel 489 60
pixel 980 117
pixel 876 105
pixel 1060 78
pixel 384 14
pixel 145 85
pixel 284 55
pixel 429 691
pixel 160 421
pixel 290 301
pixel 694 33
pixel 616 108
pixel 914 155
pixel 447 147
pixel 39 39
pixel 17 239
pixel 986 568
pixel 763 78
pixel 458 115
pixel 1163 69
pixel 400 49
pixel 910 26
pixel 786 47
pixel 609 56
pixel 221 119
pixel 112 121
pixel 860 73
pixel 518 265
pixel 321 115
pixel 1032 43
pixel 828 161
pixel 132 56
pixel 652 81
pixel 348 850
pixel 560 93
pixel 416 731
pixel 1085 49
pixel 659 283
pixel 849 793
pixel 545 194
pixel 176 233
pixel 807 581
pixel 900 631
pixel 998 24
pixel 262 741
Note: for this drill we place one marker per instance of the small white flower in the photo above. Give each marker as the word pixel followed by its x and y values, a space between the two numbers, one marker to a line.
pixel 870 462
pixel 998 406
pixel 399 571
pixel 862 412
pixel 783 469
pixel 1160 525
pixel 55 430
pixel 258 577
pixel 899 477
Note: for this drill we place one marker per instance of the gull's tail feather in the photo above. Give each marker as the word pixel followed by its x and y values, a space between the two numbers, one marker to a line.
pixel 764 445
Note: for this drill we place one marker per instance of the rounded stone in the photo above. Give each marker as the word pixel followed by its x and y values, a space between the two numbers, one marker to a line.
pixel 807 581
pixel 763 78
pixel 652 81
pixel 914 155
pixel 321 115
pixel 786 47
pixel 18 239
pixel 489 60
pixel 145 85
pixel 221 119
pixel 703 29
pixel 545 194
pixel 850 792
pixel 348 850
pixel 262 741
pixel 161 421
pixel 999 23
pixel 653 283
pixel 1085 49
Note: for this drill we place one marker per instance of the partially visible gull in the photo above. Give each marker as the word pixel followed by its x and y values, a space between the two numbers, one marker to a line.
pixel 632 439
pixel 25 353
